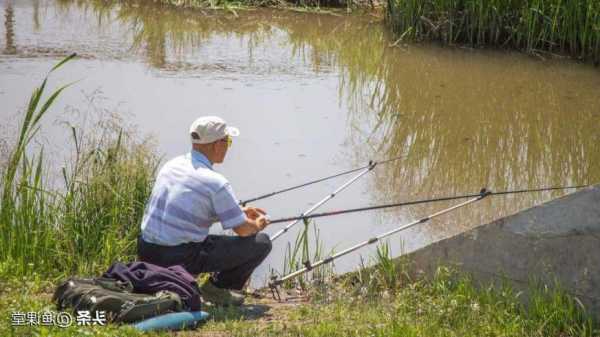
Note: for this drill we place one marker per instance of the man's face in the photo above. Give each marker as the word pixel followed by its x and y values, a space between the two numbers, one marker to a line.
pixel 221 147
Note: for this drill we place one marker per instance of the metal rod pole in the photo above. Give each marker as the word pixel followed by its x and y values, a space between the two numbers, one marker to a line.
pixel 370 208
pixel 371 163
pixel 276 282
pixel 414 202
pixel 268 195
pixel 324 200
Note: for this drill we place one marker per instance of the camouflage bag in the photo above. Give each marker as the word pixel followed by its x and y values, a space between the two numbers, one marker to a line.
pixel 114 298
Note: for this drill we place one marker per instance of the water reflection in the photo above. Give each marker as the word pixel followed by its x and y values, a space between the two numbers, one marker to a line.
pixel 466 120
pixel 9 24
pixel 463 119
pixel 174 39
pixel 36 14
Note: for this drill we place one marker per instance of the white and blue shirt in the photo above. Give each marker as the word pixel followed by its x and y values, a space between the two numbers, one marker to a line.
pixel 187 198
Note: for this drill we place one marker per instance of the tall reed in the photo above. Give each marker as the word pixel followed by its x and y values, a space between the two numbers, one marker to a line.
pixel 24 204
pixel 555 26
pixel 84 226
pixel 298 254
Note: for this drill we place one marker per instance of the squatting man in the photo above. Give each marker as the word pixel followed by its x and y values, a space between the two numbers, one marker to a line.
pixel 187 198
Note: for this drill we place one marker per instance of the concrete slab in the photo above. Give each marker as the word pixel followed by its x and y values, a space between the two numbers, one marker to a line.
pixel 556 241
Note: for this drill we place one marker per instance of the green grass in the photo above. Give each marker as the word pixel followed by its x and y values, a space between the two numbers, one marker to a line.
pixel 384 301
pixel 20 296
pixel 448 304
pixel 88 223
pixel 555 26
pixel 300 252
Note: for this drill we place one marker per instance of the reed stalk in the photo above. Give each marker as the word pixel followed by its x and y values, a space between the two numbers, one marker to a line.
pixel 296 255
pixel 85 226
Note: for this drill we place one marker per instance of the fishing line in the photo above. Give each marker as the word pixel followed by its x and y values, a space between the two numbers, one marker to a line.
pixel 415 202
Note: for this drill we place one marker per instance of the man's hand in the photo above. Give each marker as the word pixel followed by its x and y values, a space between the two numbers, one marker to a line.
pixel 256 221
pixel 253 212
pixel 262 221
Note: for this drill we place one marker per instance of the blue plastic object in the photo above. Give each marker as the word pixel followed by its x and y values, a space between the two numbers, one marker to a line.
pixel 172 321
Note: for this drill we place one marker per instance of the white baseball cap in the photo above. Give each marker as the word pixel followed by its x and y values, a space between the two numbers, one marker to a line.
pixel 211 129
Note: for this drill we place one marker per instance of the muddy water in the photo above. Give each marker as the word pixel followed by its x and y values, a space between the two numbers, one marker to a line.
pixel 314 95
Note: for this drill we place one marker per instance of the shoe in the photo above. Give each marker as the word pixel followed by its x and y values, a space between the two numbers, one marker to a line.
pixel 219 296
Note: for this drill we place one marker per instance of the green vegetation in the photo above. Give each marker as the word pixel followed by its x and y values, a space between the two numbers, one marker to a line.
pixel 92 220
pixel 534 26
pixel 541 27
pixel 21 296
pixel 555 26
pixel 365 303
pixel 299 253
pixel 448 305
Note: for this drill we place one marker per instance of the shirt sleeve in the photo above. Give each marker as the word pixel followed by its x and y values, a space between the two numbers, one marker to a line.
pixel 228 211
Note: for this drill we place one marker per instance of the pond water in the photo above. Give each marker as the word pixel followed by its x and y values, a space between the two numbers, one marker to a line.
pixel 316 94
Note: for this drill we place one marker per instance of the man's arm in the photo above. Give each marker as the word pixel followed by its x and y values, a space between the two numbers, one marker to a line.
pixel 243 221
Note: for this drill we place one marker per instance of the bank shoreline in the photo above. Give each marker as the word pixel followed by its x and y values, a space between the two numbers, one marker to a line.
pixel 544 28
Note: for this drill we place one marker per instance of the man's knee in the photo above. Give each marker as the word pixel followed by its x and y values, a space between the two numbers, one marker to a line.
pixel 264 244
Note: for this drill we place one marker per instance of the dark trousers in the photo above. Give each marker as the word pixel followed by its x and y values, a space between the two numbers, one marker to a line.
pixel 231 259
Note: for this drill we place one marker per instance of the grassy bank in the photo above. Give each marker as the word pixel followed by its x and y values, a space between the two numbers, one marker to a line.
pixel 539 27
pixel 372 303
pixel 536 26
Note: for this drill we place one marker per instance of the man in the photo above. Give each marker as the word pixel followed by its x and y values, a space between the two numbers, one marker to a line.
pixel 188 196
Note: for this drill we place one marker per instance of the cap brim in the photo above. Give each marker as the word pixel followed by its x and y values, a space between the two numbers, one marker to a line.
pixel 232 131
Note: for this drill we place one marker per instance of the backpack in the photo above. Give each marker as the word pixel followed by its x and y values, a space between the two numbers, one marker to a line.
pixel 114 298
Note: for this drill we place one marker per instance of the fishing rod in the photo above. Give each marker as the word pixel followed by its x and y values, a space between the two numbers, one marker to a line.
pixel 268 195
pixel 474 197
pixel 415 202
pixel 294 221
pixel 308 266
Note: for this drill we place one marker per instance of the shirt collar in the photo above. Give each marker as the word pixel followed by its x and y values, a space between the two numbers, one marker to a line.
pixel 199 156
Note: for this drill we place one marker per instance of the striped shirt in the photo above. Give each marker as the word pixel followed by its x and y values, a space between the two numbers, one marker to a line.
pixel 187 198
